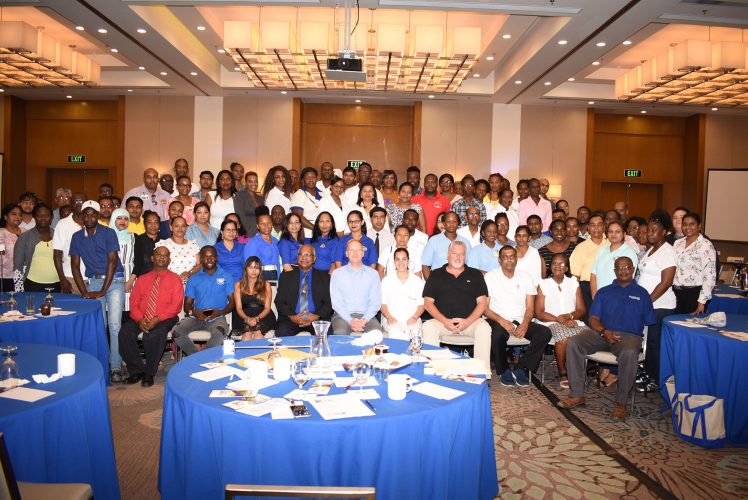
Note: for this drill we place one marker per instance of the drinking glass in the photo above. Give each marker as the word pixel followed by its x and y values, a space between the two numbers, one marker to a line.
pixel 49 298
pixel 361 374
pixel 416 341
pixel 30 304
pixel 300 372
pixel 274 354
pixel 12 304
pixel 9 368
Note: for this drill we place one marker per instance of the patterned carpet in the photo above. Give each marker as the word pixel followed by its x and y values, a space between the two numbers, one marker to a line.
pixel 540 453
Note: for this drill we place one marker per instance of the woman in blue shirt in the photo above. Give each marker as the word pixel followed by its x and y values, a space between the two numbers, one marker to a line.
pixel 265 247
pixel 230 252
pixel 201 232
pixel 358 232
pixel 290 241
pixel 485 257
pixel 325 241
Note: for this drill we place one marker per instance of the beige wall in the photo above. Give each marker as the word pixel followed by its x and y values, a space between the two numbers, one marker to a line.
pixel 553 145
pixel 726 142
pixel 257 132
pixel 2 125
pixel 158 130
pixel 456 139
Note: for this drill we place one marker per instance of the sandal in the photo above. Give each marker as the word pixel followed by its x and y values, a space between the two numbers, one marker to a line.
pixel 563 380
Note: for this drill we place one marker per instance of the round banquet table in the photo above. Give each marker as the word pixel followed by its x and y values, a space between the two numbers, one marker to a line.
pixel 735 305
pixel 706 362
pixel 84 330
pixel 417 448
pixel 66 437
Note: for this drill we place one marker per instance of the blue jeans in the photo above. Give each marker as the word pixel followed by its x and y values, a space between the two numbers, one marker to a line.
pixel 112 304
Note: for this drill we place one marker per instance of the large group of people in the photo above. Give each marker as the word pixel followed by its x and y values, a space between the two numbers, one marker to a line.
pixel 356 248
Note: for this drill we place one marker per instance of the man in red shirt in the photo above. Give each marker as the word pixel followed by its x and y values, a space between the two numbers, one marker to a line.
pixel 155 301
pixel 433 203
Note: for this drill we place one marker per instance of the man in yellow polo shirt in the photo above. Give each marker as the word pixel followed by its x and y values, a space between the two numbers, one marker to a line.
pixel 583 256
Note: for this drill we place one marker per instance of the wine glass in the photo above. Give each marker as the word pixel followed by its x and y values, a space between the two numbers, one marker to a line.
pixel 300 372
pixel 49 298
pixel 361 373
pixel 12 304
pixel 274 354
pixel 416 341
pixel 9 368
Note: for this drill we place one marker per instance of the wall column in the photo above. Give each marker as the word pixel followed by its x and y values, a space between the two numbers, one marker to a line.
pixel 505 141
pixel 208 154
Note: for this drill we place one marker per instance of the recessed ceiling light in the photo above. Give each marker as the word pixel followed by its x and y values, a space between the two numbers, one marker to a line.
pixel 489 58
pixel 141 68
pixel 102 31
pixel 221 51
pixel 284 92
pixel 506 36
pixel 80 28
pixel 431 96
pixel 141 31
pixel 627 42
pixel 547 83
pixel 113 50
pixel 193 73
pixel 476 75
pixel 590 102
pixel 518 82
pixel 163 73
pixel 129 90
pixel 2 90
pixel 596 63
pixel 643 111
pixel 237 68
pixel 562 42
pixel 201 28
pixel 572 79
pixel 715 109
pixel 69 96
pixel 600 44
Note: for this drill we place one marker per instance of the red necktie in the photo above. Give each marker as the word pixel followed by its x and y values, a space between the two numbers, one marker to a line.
pixel 150 308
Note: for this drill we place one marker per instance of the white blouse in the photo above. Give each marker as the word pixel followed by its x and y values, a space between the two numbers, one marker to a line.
pixel 696 266
pixel 560 299
pixel 650 274
pixel 183 257
pixel 219 209
pixel 530 264
pixel 276 197
pixel 401 299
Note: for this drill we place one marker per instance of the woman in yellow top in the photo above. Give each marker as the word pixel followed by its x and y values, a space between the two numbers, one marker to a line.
pixel 33 262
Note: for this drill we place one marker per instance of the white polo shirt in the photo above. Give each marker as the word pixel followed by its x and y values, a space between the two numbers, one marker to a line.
pixel 508 296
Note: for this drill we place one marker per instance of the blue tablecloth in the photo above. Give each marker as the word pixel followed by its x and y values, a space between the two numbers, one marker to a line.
pixel 727 304
pixel 83 331
pixel 418 448
pixel 67 437
pixel 706 362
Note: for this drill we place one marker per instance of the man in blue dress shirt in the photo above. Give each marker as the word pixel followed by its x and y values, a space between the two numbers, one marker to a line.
pixel 617 319
pixel 356 294
pixel 208 297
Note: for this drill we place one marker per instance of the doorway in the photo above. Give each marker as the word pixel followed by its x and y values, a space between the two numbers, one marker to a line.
pixel 84 180
pixel 642 199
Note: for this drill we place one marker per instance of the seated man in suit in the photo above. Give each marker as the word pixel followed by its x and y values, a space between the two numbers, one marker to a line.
pixel 154 304
pixel 303 296
pixel 208 297
pixel 356 294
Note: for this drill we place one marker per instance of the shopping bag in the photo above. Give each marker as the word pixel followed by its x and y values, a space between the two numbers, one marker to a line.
pixel 698 418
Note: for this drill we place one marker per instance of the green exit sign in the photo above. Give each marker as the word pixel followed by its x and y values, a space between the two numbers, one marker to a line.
pixel 76 158
pixel 632 173
pixel 355 163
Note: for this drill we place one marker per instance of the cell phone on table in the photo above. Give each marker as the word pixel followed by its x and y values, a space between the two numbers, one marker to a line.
pixel 299 409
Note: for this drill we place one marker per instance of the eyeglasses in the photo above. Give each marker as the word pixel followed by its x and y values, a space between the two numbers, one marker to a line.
pixel 183 185
pixel 623 268
pixel 307 255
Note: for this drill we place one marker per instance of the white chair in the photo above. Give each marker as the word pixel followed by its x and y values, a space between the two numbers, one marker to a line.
pixel 255 490
pixel 12 490
pixel 608 358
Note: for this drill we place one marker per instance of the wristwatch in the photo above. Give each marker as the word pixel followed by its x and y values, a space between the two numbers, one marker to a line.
pixel 602 332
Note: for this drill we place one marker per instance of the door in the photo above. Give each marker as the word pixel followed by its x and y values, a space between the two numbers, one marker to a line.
pixel 85 180
pixel 642 199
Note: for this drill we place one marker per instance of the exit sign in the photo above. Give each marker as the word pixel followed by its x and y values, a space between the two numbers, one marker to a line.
pixel 355 163
pixel 632 173
pixel 76 158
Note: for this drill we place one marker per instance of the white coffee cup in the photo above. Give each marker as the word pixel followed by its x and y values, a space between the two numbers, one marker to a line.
pixel 281 369
pixel 258 369
pixel 229 347
pixel 66 364
pixel 398 385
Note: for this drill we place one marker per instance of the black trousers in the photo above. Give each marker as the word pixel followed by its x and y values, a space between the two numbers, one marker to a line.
pixel 33 286
pixel 538 335
pixel 687 299
pixel 286 328
pixel 654 333
pixel 153 345
pixel 586 296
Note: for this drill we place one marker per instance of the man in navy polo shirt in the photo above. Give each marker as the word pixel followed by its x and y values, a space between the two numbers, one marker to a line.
pixel 97 247
pixel 208 297
pixel 617 319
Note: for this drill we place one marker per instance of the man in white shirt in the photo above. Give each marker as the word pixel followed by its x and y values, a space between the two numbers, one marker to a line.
pixel 182 167
pixel 380 230
pixel 471 231
pixel 510 311
pixel 154 198
pixel 61 244
pixel 326 174
pixel 505 205
pixel 418 238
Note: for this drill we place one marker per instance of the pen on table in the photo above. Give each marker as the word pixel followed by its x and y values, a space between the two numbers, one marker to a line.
pixel 367 403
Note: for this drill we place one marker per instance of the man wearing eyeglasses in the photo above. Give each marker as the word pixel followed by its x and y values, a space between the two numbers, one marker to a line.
pixel 62 198
pixel 154 198
pixel 617 319
pixel 303 295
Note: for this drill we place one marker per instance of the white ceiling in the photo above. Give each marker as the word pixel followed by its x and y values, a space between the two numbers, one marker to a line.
pixel 173 44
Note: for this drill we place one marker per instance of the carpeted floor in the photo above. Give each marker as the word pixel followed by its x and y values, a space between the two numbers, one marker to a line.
pixel 540 453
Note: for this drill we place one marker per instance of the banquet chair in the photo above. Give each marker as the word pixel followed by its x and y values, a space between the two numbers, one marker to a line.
pixel 12 490
pixel 257 490
pixel 608 358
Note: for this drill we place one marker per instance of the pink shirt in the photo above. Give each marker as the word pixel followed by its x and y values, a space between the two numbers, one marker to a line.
pixel 543 209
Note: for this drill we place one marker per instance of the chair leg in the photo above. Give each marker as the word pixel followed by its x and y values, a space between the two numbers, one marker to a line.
pixel 586 383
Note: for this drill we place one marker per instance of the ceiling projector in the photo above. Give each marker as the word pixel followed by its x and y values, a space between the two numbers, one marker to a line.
pixel 346 67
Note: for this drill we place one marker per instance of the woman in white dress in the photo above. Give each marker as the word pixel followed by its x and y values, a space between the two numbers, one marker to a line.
pixel 184 253
pixel 119 222
pixel 559 305
pixel 221 201
pixel 336 204
pixel 528 258
pixel 402 299
pixel 277 189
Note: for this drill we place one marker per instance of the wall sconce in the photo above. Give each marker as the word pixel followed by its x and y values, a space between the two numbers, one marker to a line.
pixel 554 191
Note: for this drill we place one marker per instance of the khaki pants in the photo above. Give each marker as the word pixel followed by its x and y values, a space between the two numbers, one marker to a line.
pixel 480 331
pixel 73 286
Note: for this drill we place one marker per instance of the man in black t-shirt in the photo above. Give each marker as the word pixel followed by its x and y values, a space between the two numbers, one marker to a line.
pixel 456 296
